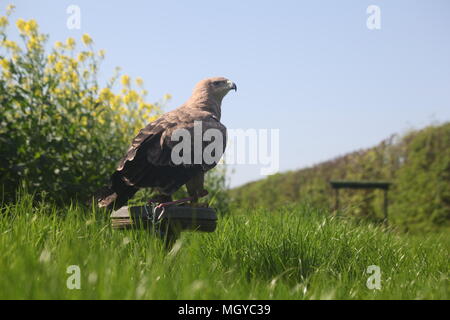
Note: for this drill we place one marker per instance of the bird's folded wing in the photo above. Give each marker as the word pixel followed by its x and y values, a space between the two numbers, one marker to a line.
pixel 146 139
pixel 207 123
pixel 155 142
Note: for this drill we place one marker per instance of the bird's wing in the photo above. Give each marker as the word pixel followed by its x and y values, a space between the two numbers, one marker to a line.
pixel 152 147
pixel 208 122
pixel 148 138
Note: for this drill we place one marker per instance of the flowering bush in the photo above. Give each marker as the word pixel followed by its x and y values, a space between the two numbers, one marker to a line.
pixel 60 132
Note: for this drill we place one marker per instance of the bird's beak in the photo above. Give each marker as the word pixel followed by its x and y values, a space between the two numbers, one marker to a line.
pixel 232 85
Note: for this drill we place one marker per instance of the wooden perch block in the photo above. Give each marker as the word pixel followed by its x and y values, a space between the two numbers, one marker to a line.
pixel 177 218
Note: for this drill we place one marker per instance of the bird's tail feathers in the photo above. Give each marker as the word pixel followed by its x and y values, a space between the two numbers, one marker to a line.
pixel 115 196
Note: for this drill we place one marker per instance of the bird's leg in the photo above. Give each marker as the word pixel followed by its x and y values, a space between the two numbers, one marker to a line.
pixel 196 189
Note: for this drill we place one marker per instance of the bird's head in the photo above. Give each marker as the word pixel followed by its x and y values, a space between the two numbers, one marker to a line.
pixel 217 87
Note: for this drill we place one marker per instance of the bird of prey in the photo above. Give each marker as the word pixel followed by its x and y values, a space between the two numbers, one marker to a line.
pixel 149 162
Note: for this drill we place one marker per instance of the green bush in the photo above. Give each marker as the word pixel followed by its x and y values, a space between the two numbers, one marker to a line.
pixel 417 164
pixel 421 195
pixel 60 132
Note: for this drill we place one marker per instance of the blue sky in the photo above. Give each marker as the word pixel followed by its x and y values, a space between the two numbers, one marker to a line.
pixel 309 68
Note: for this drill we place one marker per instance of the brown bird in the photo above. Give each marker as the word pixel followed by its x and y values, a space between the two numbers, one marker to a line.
pixel 149 162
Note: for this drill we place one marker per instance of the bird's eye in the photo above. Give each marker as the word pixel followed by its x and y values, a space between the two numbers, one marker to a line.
pixel 216 83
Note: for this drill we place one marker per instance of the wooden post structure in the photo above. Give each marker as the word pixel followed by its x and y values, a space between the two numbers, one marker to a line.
pixel 336 203
pixel 385 191
pixel 336 185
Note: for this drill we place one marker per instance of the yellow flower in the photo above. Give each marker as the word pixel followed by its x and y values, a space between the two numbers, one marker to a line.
pixel 125 80
pixel 70 42
pixel 3 22
pixel 73 63
pixel 152 118
pixel 58 45
pixel 131 97
pixel 51 58
pixel 145 107
pixel 86 39
pixel 106 94
pixel 30 27
pixel 64 77
pixel 7 75
pixel 82 56
pixel 4 63
pixel 139 81
pixel 167 96
pixel 116 101
pixel 74 77
pixel 20 23
pixel 123 110
pixel 37 93
pixel 10 8
pixel 33 44
pixel 10 45
pixel 86 101
pixel 101 54
pixel 59 67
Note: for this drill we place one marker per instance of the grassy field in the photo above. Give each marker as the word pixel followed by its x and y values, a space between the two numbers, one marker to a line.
pixel 292 253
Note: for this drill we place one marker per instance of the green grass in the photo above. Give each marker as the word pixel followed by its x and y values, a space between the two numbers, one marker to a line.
pixel 292 253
